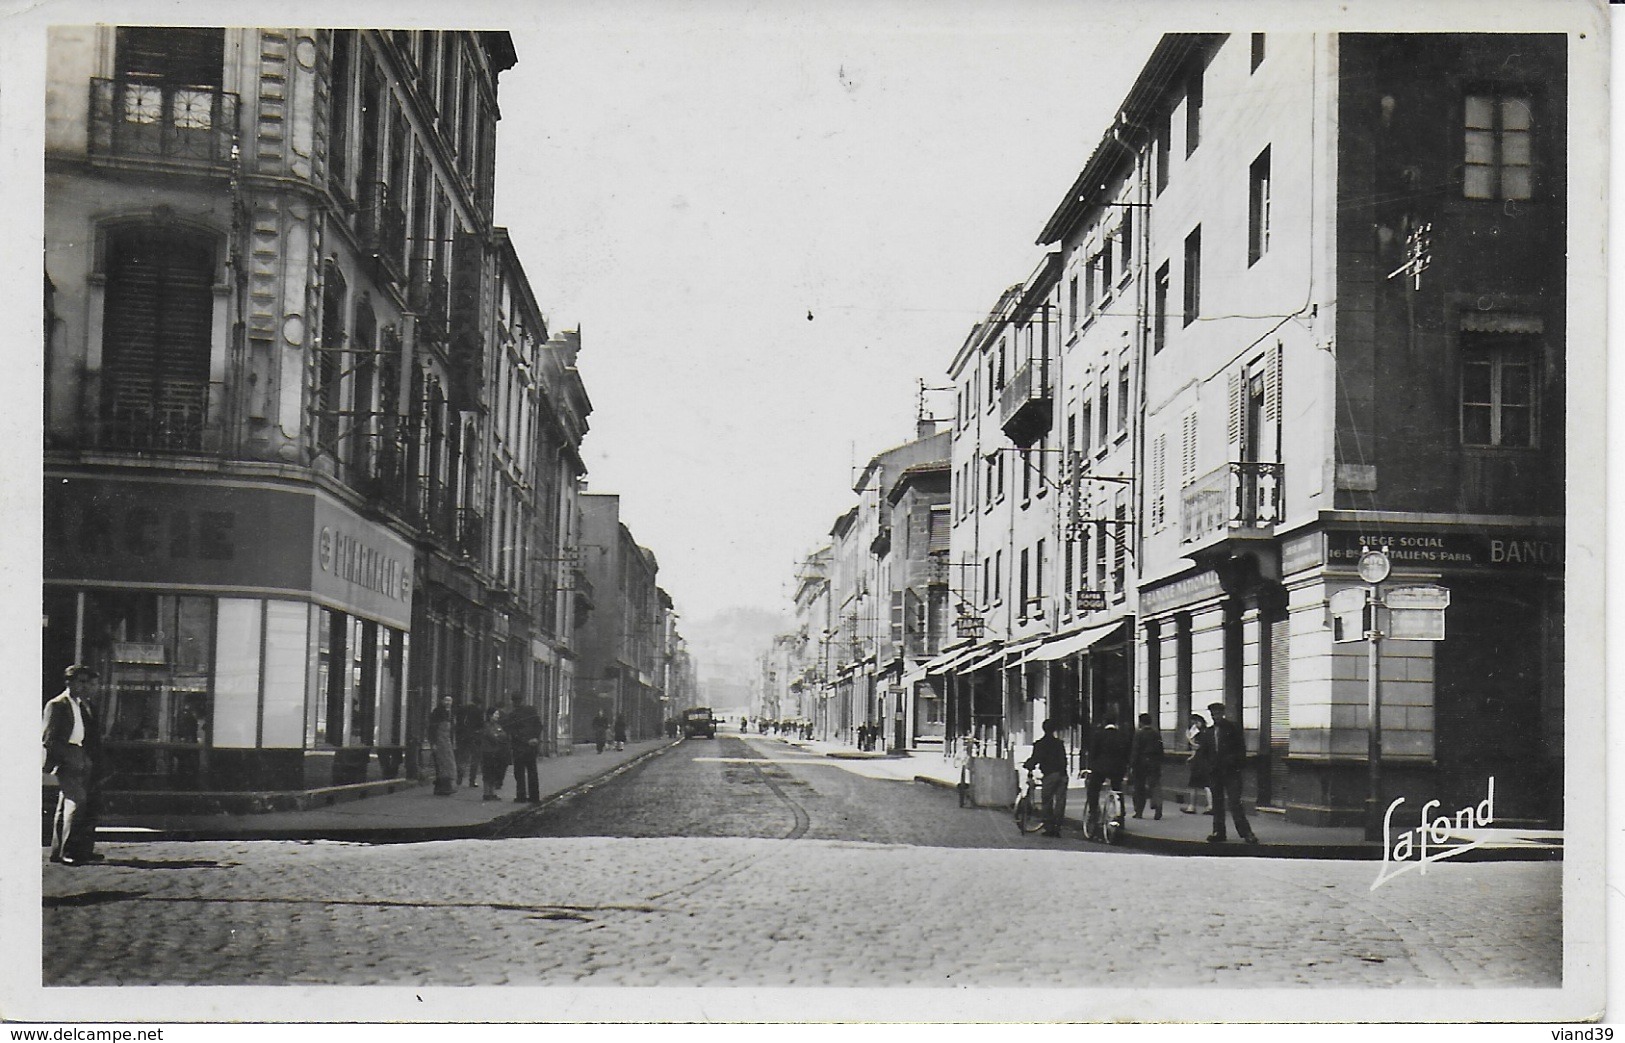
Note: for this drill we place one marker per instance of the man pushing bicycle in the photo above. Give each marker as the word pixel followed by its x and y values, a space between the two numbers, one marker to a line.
pixel 1049 756
pixel 1108 761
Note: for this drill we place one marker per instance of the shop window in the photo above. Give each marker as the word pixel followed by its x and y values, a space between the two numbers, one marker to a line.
pixel 156 339
pixel 154 653
pixel 287 662
pixel 1498 380
pixel 237 678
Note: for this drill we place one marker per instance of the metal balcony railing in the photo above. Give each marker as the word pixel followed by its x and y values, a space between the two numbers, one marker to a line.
pixel 1240 497
pixel 134 119
pixel 144 427
pixel 436 512
pixel 1025 407
pixel 470 532
pixel 381 224
pixel 428 297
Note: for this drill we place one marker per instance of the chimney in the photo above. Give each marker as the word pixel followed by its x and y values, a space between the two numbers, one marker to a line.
pixel 924 428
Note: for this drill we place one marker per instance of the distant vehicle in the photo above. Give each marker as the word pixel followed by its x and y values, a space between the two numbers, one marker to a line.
pixel 698 723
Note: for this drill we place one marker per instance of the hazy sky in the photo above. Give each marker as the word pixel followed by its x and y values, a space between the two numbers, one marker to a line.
pixel 688 183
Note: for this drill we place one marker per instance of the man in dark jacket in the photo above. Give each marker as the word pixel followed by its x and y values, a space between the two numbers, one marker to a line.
pixel 1229 747
pixel 525 738
pixel 73 753
pixel 1145 767
pixel 1049 757
pixel 1108 760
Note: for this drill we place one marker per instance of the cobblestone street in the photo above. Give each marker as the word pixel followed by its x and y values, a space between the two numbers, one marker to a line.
pixel 763 912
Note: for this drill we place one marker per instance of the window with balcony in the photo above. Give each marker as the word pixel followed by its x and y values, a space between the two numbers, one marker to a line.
pixel 329 398
pixel 1499 154
pixel 165 99
pixel 156 337
pixel 1499 375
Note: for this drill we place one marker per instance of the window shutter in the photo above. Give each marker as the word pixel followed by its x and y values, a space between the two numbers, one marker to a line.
pixel 1159 456
pixel 1234 433
pixel 1188 455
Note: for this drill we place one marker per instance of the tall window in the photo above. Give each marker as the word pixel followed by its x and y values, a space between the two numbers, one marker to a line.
pixel 166 97
pixel 1159 309
pixel 1105 411
pixel 1258 51
pixel 1193 275
pixel 1258 207
pixel 1498 152
pixel 1072 300
pixel 1086 428
pixel 1122 398
pixel 1026 592
pixel 156 333
pixel 330 361
pixel 1038 571
pixel 1163 150
pixel 338 113
pixel 1193 112
pixel 1498 380
pixel 1125 237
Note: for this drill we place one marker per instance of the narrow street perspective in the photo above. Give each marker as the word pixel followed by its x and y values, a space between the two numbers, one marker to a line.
pixel 846 496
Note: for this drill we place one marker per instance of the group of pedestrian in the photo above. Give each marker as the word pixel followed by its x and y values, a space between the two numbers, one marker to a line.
pixel 868 735
pixel 1218 755
pixel 601 731
pixel 469 742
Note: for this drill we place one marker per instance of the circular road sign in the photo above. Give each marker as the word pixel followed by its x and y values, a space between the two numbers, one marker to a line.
pixel 1374 566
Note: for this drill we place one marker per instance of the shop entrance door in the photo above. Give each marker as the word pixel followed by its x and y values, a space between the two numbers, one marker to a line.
pixel 1487 703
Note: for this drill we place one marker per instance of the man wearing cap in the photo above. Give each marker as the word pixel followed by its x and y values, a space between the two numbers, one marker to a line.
pixel 73 753
pixel 1229 755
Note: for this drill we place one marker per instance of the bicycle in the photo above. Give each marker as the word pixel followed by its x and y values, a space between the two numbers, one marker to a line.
pixel 1030 804
pixel 1110 826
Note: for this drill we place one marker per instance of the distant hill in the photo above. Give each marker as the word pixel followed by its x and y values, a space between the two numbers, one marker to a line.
pixel 726 646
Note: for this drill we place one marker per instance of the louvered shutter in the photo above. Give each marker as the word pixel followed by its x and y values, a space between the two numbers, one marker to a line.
pixel 1187 460
pixel 1159 458
pixel 1235 430
pixel 1271 445
pixel 156 337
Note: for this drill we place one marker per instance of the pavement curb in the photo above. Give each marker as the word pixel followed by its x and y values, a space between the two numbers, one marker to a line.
pixel 486 829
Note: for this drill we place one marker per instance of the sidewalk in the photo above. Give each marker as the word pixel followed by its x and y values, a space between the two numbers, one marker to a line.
pixel 411 814
pixel 1177 833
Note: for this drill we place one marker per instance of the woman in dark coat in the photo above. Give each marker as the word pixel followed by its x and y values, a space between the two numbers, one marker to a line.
pixel 494 754
pixel 1201 766
pixel 442 741
pixel 620 732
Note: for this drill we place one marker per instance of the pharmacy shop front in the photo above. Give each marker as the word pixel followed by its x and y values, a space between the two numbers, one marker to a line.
pixel 249 634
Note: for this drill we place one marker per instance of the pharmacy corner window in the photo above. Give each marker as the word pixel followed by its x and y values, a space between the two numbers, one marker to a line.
pixel 1499 375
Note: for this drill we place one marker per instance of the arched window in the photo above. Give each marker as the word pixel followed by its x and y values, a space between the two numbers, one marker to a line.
pixel 156 331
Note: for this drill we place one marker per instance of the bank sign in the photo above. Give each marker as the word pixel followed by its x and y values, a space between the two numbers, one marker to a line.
pixel 248 540
pixel 1450 550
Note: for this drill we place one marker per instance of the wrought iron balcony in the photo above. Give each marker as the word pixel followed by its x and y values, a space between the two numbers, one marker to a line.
pixel 436 513
pixel 470 532
pixel 381 225
pixel 134 119
pixel 148 427
pixel 1238 499
pixel 1026 405
pixel 428 297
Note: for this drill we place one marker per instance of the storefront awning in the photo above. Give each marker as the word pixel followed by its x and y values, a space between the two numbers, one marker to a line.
pixel 948 660
pixel 987 659
pixel 1061 647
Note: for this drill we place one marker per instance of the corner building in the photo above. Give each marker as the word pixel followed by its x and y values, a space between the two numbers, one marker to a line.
pixel 1357 323
pixel 279 520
